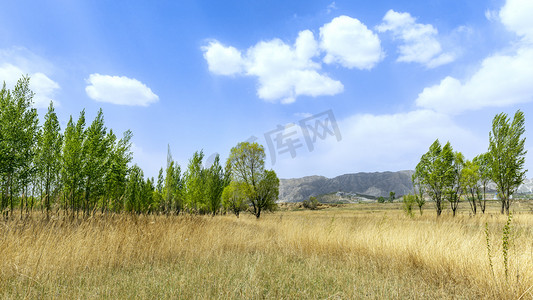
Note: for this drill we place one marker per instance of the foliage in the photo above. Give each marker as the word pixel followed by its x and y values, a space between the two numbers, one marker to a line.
pixel 18 138
pixel 234 197
pixel 246 163
pixel 482 163
pixel 470 178
pixel 381 199
pixel 392 196
pixel 311 203
pixel 49 155
pixel 454 190
pixel 408 203
pixel 506 155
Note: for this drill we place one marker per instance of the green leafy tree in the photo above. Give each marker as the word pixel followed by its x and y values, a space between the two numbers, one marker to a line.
pixel 435 172
pixel 73 161
pixel 96 153
pixel 195 193
pixel 392 196
pixel 381 199
pixel 454 190
pixel 120 156
pixel 18 138
pixel 419 192
pixel 470 182
pixel 49 155
pixel 215 183
pixel 246 163
pixel 311 203
pixel 266 193
pixel 408 203
pixel 234 197
pixel 484 173
pixel 506 155
pixel 134 190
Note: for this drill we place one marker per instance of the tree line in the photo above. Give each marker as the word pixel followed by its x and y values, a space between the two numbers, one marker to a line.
pixel 445 175
pixel 87 169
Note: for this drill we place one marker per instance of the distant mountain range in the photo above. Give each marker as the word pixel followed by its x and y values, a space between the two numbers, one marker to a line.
pixel 360 184
pixel 370 184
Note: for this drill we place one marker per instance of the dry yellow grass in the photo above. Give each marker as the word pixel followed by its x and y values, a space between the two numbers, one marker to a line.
pixel 352 252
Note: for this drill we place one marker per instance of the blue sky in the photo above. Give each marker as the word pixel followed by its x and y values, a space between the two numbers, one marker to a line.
pixel 395 75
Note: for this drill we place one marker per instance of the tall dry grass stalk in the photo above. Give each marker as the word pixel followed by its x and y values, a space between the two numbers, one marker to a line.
pixel 339 253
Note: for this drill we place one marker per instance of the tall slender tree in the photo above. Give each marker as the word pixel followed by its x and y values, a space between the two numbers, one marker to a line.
pixel 49 155
pixel 18 127
pixel 195 184
pixel 73 161
pixel 96 153
pixel 506 155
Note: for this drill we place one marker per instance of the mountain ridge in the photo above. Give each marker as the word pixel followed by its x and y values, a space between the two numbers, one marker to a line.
pixel 374 184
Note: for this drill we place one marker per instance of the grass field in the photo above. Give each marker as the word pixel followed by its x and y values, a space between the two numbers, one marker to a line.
pixel 370 251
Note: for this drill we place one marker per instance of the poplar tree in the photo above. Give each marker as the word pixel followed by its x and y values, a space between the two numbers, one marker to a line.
pixel 95 151
pixel 195 184
pixel 506 155
pixel 215 183
pixel 18 130
pixel 49 155
pixel 73 161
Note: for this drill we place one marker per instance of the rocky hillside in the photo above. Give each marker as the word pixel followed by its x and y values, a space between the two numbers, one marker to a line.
pixel 372 184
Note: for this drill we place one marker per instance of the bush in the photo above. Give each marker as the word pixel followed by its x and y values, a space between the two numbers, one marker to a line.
pixel 312 203
pixel 408 203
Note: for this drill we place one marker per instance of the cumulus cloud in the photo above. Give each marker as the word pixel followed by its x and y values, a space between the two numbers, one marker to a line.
pixel 350 43
pixel 18 62
pixel 223 60
pixel 501 80
pixel 516 16
pixel 119 90
pixel 284 71
pixel 420 43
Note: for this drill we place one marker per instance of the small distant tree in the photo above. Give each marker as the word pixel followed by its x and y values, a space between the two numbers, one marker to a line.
pixel 454 189
pixel 311 203
pixel 419 192
pixel 408 203
pixel 392 196
pixel 470 182
pixel 381 199
pixel 506 155
pixel 484 173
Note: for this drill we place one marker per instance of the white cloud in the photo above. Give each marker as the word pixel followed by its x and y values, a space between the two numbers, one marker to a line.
pixel 284 71
pixel 43 87
pixel 223 60
pixel 501 80
pixel 420 42
pixel 387 142
pixel 18 62
pixel 516 16
pixel 119 90
pixel 350 43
